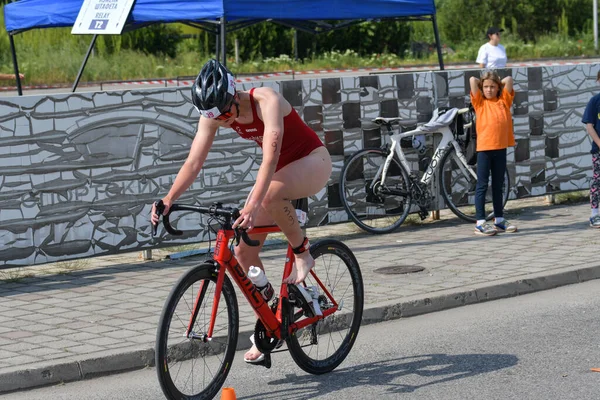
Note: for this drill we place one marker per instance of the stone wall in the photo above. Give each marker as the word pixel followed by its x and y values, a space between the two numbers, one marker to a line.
pixel 80 171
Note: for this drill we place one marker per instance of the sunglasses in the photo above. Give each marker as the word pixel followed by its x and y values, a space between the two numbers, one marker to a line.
pixel 225 115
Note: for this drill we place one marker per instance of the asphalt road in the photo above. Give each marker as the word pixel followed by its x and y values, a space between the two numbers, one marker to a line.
pixel 537 346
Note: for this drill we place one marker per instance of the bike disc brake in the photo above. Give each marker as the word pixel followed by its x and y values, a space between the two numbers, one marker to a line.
pixel 374 195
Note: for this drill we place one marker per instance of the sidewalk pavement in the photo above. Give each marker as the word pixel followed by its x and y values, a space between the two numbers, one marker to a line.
pixel 79 319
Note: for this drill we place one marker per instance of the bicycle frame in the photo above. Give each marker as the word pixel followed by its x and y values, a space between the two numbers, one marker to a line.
pixel 447 139
pixel 272 322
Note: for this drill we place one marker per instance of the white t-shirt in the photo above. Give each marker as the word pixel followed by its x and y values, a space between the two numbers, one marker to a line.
pixel 492 56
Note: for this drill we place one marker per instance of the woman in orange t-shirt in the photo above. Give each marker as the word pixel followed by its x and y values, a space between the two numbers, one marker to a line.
pixel 492 99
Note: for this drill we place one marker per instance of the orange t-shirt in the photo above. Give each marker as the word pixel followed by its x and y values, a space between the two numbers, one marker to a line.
pixel 494 121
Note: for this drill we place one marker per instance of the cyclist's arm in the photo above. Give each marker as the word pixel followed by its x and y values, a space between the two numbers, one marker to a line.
pixel 272 106
pixel 205 135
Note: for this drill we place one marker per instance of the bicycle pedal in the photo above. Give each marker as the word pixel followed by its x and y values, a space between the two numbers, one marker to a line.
pixel 266 362
pixel 423 215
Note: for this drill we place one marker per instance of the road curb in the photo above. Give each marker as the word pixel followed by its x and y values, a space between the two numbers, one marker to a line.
pixel 75 370
pixel 408 307
pixel 473 294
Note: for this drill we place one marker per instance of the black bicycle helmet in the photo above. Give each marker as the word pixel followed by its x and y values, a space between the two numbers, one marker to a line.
pixel 213 90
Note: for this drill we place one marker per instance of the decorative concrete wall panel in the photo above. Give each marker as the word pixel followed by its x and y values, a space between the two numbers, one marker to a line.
pixel 80 171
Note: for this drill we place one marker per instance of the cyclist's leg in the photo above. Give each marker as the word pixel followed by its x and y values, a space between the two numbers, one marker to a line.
pixel 301 178
pixel 248 256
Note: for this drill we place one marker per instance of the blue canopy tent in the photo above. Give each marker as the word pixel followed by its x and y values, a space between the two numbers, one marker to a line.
pixel 220 16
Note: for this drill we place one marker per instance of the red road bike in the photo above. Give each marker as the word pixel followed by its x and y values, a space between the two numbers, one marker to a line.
pixel 198 328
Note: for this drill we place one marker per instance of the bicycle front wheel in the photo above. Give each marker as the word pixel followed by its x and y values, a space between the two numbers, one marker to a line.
pixel 458 188
pixel 321 347
pixel 189 366
pixel 374 206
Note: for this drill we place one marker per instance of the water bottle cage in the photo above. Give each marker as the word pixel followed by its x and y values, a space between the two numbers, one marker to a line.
pixel 266 292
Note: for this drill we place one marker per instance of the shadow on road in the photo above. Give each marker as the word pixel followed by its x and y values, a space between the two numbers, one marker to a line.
pixel 400 375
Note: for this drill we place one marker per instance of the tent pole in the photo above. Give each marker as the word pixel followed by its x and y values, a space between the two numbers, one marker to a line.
pixel 223 52
pixel 437 42
pixel 217 39
pixel 15 64
pixel 85 60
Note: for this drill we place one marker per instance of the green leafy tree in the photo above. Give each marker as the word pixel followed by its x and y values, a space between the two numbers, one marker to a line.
pixel 265 39
pixel 158 39
pixel 529 19
pixel 365 38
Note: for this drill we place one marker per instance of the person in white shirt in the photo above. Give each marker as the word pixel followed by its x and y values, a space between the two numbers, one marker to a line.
pixel 492 55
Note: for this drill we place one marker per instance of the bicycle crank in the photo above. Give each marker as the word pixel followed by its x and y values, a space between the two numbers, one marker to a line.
pixel 264 343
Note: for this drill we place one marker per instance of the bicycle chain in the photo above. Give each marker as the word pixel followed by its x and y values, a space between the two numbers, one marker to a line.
pixel 422 197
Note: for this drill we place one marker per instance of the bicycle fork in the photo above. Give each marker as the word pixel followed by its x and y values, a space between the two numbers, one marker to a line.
pixel 189 333
pixel 206 336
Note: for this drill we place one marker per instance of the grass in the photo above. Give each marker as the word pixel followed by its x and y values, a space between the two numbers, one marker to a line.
pixel 180 248
pixel 46 59
pixel 415 220
pixel 70 266
pixel 579 196
pixel 15 275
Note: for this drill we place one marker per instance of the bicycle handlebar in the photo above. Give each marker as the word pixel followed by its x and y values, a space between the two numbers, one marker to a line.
pixel 216 210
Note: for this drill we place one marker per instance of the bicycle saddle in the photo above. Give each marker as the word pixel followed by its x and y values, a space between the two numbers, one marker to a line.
pixel 394 121
pixel 440 119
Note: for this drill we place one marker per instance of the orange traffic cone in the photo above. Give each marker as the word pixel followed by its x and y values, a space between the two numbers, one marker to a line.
pixel 228 394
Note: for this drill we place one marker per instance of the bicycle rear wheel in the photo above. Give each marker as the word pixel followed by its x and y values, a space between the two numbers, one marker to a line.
pixel 372 206
pixel 321 347
pixel 458 189
pixel 189 366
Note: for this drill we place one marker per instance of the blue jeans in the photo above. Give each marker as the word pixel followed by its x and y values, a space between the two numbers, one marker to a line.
pixel 494 161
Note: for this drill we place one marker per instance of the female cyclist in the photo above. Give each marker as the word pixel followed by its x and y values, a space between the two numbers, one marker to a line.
pixel 295 162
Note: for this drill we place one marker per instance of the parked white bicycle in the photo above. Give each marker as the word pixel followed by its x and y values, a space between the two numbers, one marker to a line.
pixel 378 187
